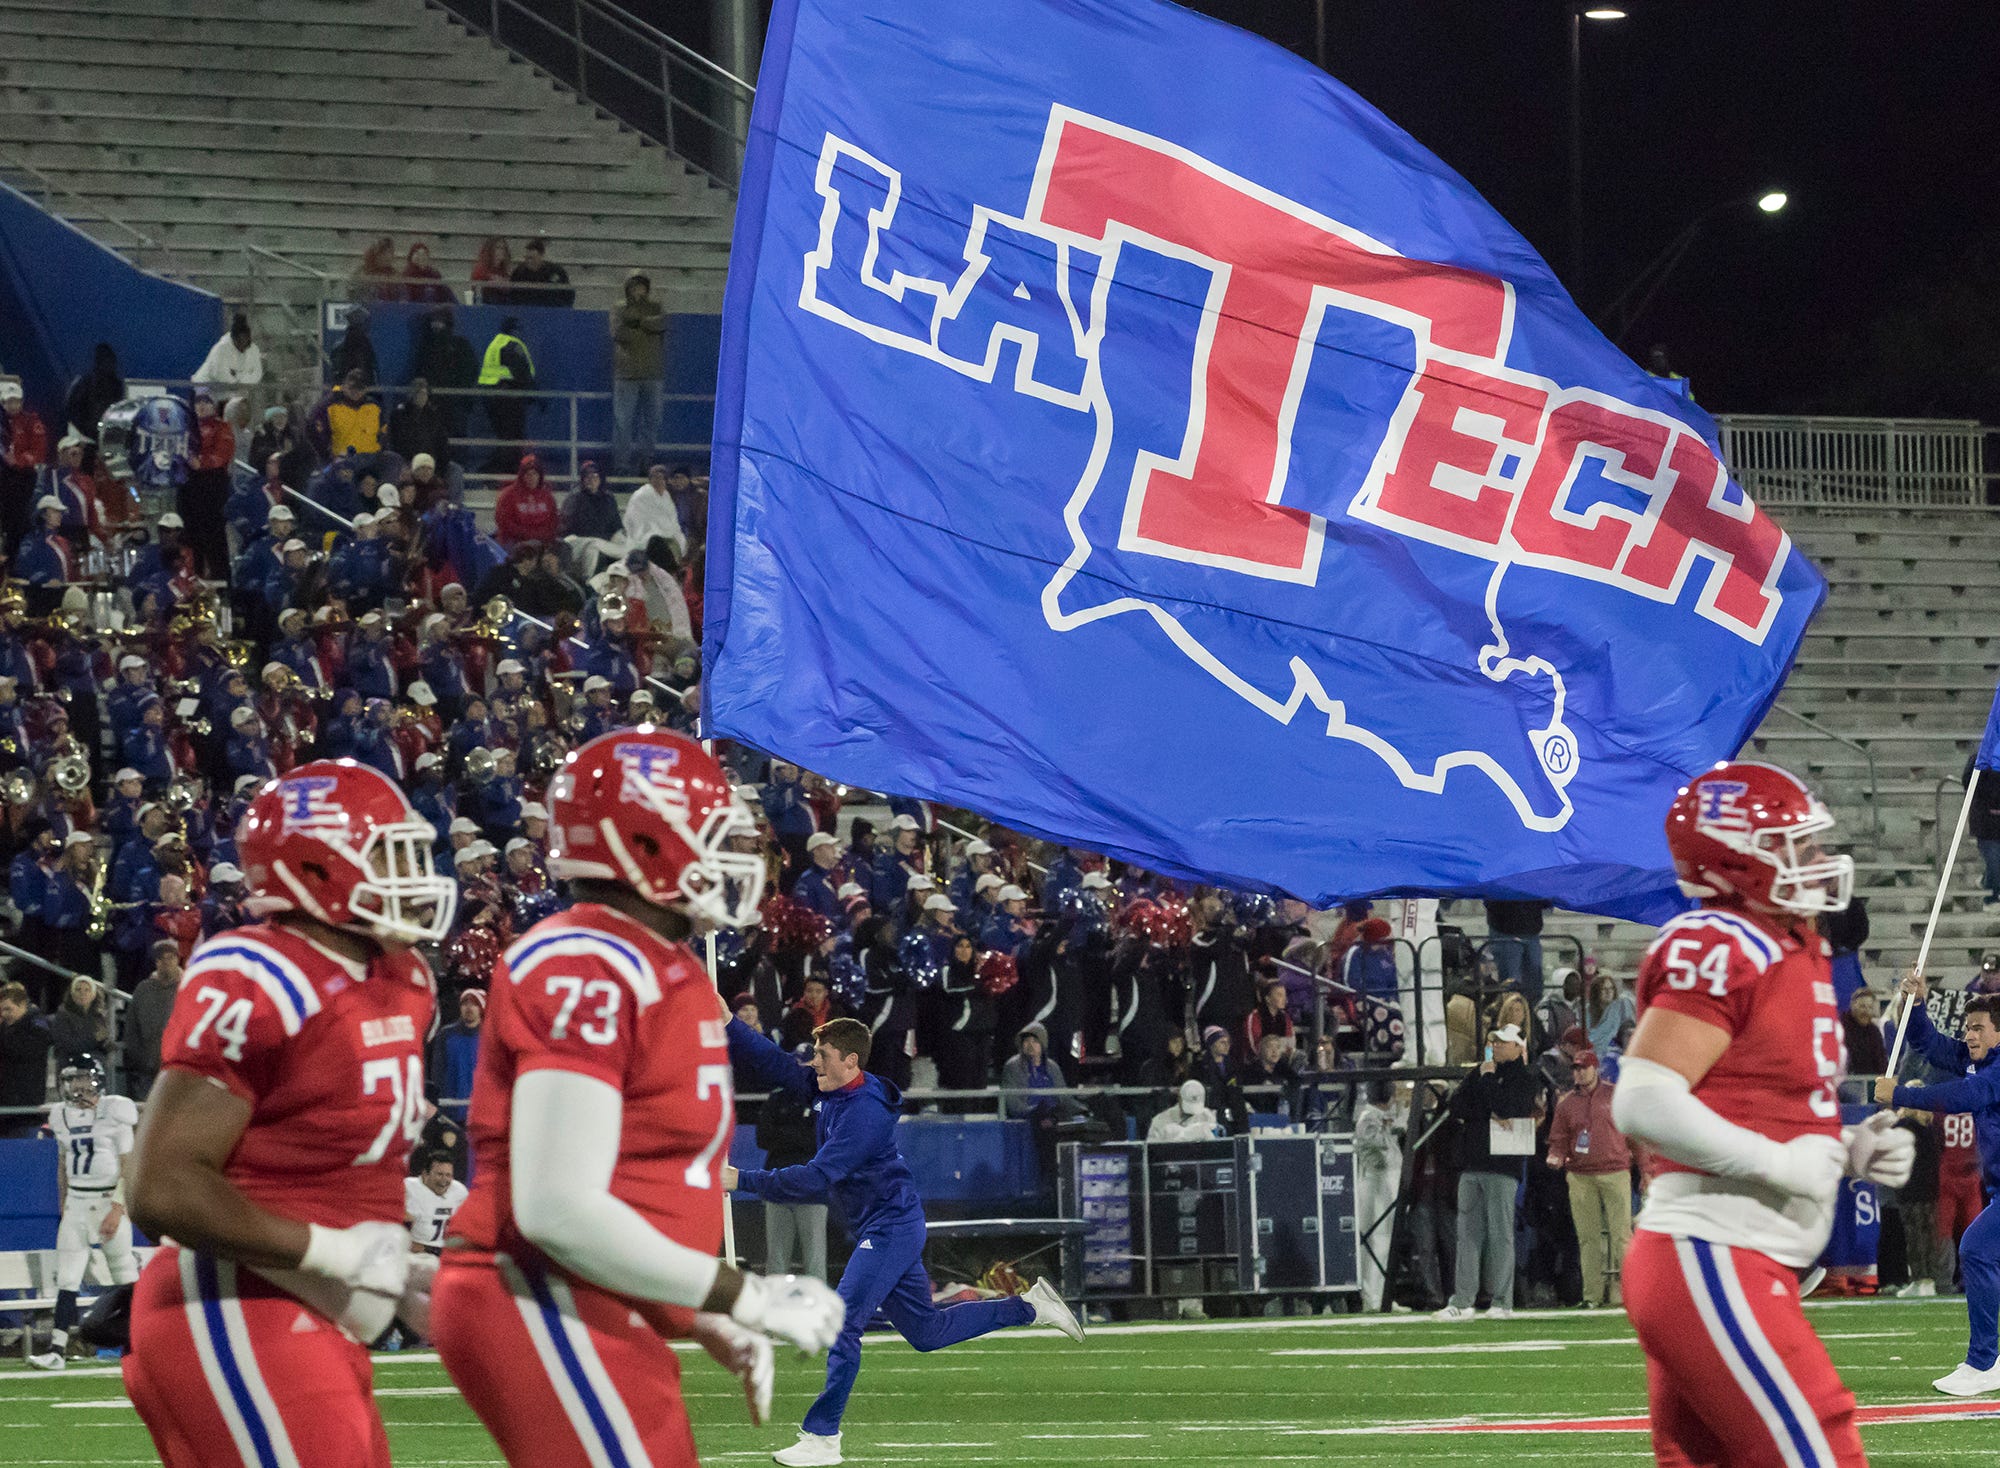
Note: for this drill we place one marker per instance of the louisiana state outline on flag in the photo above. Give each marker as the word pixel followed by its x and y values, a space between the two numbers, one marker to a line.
pixel 1127 432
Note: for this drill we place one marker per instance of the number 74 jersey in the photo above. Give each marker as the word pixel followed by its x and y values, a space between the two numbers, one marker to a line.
pixel 1769 985
pixel 593 991
pixel 327 1051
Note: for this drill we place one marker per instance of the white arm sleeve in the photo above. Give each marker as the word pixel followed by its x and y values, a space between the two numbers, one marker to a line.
pixel 564 1148
pixel 1655 1104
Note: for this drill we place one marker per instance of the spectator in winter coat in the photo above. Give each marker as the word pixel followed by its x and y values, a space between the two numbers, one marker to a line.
pixel 80 1027
pixel 637 327
pixel 1270 1017
pixel 279 435
pixel 347 419
pixel 234 360
pixel 790 814
pixel 1369 965
pixel 24 1060
pixel 420 426
pixel 591 510
pixel 1494 1107
pixel 447 362
pixel 547 283
pixel 490 270
pixel 1187 1120
pixel 146 1016
pixel 1584 1143
pixel 455 1055
pixel 1220 1082
pixel 793 1232
pixel 24 448
pixel 422 280
pixel 375 279
pixel 92 392
pixel 355 351
pixel 1867 1051
pixel 526 508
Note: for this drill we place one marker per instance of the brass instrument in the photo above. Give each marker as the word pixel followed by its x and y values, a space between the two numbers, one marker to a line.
pixel 199 727
pixel 574 726
pixel 17 787
pixel 494 615
pixel 479 766
pixel 181 687
pixel 238 654
pixel 181 797
pixel 610 605
pixel 70 774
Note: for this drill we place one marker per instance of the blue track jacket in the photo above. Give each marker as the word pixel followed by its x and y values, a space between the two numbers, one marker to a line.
pixel 1978 1093
pixel 857 1167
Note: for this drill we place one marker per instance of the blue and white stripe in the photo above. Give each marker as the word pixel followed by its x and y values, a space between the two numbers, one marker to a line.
pixel 532 952
pixel 597 1414
pixel 229 1362
pixel 1759 1371
pixel 1757 945
pixel 291 993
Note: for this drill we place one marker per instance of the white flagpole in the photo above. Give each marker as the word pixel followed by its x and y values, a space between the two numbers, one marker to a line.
pixel 728 1208
pixel 1937 907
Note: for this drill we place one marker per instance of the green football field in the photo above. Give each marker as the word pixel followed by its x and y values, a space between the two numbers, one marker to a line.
pixel 1342 1390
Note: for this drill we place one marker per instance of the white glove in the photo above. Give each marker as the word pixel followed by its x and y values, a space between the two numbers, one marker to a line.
pixel 1879 1151
pixel 369 1256
pixel 414 1308
pixel 745 1355
pixel 1808 1167
pixel 796 1308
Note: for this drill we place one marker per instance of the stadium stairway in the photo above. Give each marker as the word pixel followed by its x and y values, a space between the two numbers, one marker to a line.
pixel 309 129
pixel 1900 662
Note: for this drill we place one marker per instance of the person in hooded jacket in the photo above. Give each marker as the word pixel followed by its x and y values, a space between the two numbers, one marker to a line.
pixel 447 361
pixel 965 1025
pixel 354 352
pixel 887 1006
pixel 858 1170
pixel 526 508
pixel 420 425
pixel 90 394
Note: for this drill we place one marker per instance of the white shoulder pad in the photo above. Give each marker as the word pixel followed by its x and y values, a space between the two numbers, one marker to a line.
pixel 1759 947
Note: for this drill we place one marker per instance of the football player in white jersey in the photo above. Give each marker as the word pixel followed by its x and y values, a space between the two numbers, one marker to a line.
pixel 429 1200
pixel 94 1132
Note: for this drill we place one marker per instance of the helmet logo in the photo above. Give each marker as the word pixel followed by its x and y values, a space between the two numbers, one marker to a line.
pixel 1722 806
pixel 650 777
pixel 309 806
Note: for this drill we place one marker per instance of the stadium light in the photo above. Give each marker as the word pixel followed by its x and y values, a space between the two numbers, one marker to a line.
pixel 1579 12
pixel 1772 202
pixel 1618 319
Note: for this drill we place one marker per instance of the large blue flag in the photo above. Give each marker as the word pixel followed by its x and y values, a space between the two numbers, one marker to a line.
pixel 1126 431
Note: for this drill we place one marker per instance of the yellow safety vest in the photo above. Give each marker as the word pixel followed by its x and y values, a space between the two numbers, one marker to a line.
pixel 491 372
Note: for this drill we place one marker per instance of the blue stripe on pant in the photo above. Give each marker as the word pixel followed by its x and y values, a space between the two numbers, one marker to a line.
pixel 1979 1262
pixel 886 1273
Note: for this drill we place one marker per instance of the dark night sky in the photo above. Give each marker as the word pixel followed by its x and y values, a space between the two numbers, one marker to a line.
pixel 1877 291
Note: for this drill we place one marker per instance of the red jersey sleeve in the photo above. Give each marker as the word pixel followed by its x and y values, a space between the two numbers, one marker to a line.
pixel 1706 966
pixel 228 1026
pixel 568 1010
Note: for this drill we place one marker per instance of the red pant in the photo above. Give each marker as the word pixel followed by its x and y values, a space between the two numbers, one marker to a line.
pixel 1736 1377
pixel 229 1371
pixel 563 1375
pixel 1960 1200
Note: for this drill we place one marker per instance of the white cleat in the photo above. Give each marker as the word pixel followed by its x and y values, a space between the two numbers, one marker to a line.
pixel 1050 1309
pixel 1454 1313
pixel 810 1451
pixel 1965 1381
pixel 48 1361
pixel 1500 1312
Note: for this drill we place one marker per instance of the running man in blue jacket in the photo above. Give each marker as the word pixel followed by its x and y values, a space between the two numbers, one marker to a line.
pixel 1978 1093
pixel 858 1169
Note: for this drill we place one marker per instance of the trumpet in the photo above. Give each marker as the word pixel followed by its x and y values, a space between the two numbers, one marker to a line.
pixel 181 797
pixel 479 766
pixel 70 774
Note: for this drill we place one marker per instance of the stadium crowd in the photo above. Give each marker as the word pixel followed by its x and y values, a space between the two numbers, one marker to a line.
pixel 322 589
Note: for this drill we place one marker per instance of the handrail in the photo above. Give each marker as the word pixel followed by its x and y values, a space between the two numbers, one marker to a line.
pixel 637 44
pixel 56 189
pixel 287 261
pixel 1874 783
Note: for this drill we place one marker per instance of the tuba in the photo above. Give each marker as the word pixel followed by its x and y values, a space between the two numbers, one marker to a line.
pixel 70 774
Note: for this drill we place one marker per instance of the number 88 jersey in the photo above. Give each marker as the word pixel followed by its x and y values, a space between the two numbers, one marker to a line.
pixel 593 991
pixel 327 1051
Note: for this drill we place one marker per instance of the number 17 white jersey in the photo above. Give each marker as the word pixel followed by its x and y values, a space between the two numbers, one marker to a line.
pixel 94 1140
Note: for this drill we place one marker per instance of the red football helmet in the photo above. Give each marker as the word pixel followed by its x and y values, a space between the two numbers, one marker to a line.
pixel 337 840
pixel 1750 831
pixel 653 810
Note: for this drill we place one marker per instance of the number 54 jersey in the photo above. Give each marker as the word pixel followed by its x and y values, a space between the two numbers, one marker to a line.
pixel 593 991
pixel 1769 985
pixel 327 1051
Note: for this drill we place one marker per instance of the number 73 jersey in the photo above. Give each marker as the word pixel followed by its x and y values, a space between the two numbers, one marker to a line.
pixel 327 1051
pixel 595 992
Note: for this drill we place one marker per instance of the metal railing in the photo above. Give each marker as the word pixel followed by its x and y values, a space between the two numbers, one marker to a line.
pixel 1874 783
pixel 1858 463
pixel 48 191
pixel 638 74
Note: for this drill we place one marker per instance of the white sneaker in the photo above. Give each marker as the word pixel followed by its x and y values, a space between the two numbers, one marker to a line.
pixel 48 1361
pixel 1050 1309
pixel 1926 1289
pixel 1964 1381
pixel 1454 1312
pixel 1500 1312
pixel 810 1451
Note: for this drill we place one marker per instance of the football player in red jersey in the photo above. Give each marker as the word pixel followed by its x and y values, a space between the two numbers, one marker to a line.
pixel 602 1109
pixel 276 1140
pixel 1731 1079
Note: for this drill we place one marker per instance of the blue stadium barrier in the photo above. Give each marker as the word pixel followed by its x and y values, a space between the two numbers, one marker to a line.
pixel 956 1159
pixel 28 1207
